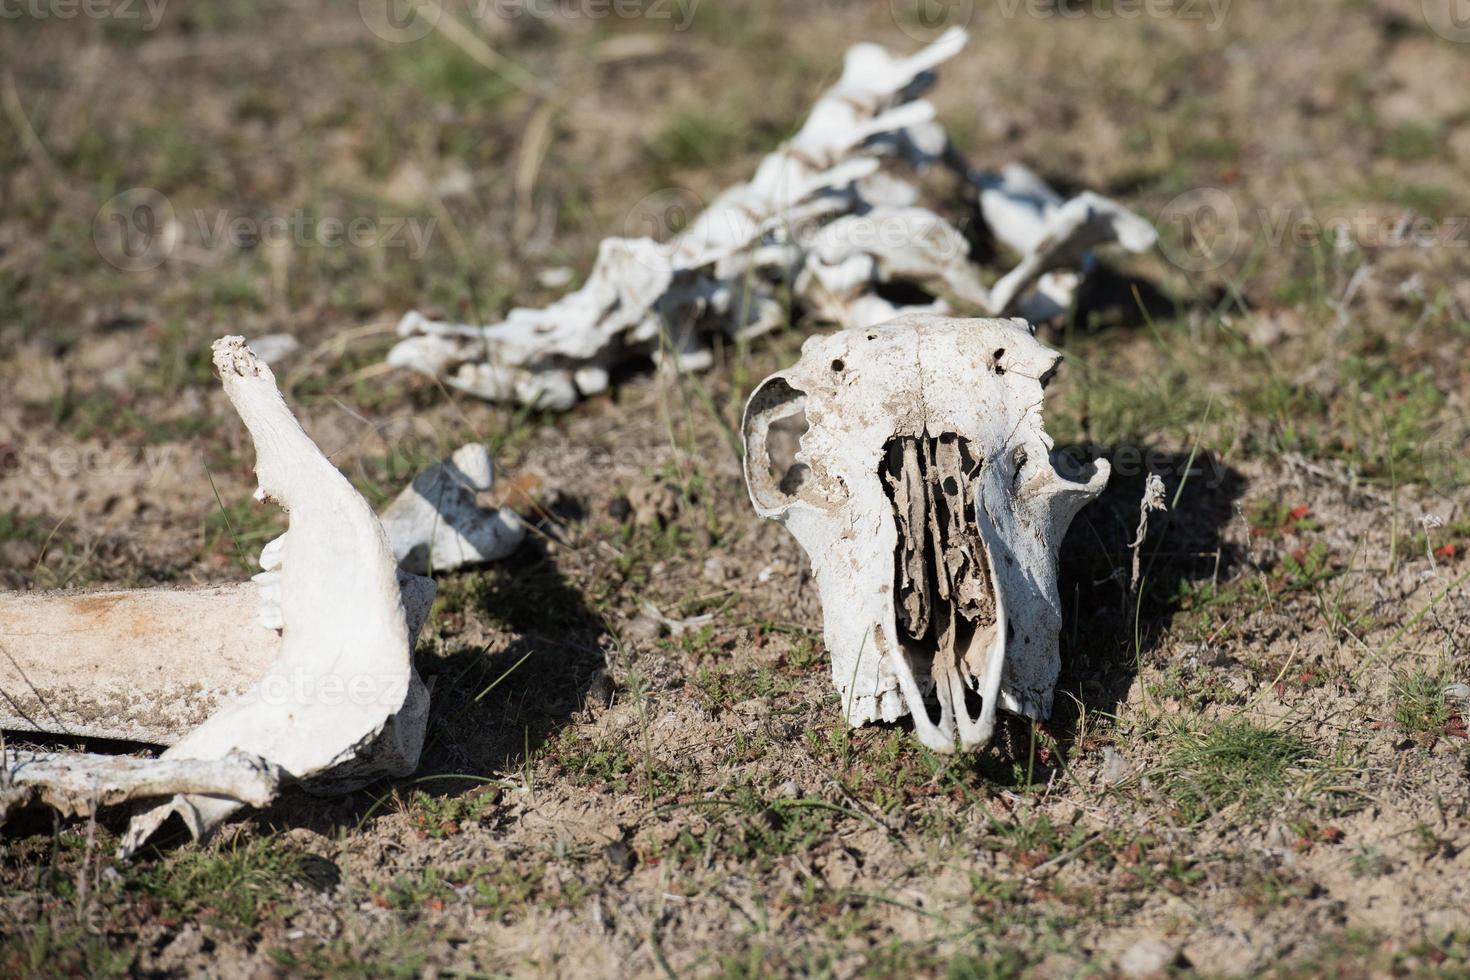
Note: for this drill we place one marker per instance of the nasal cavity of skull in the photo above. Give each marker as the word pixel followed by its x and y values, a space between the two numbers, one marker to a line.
pixel 946 603
pixel 780 411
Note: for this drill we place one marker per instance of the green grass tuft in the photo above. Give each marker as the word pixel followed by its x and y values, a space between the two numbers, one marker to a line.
pixel 1233 765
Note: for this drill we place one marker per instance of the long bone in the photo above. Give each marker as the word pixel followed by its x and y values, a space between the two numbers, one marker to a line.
pixel 76 784
pixel 123 665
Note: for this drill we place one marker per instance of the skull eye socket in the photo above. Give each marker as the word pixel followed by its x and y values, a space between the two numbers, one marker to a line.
pixel 775 422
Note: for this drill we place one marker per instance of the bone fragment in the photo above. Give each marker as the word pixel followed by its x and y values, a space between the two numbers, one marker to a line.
pixel 436 524
pixel 76 784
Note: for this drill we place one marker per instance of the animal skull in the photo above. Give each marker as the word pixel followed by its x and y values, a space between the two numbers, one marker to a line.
pixel 926 493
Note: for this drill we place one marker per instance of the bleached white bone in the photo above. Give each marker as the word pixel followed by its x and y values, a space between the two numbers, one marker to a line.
pixel 1049 233
pixel 145 665
pixel 436 524
pixel 634 297
pixel 344 678
pixel 853 254
pixel 334 696
pixel 128 665
pixel 123 665
pixel 925 493
pixel 76 784
pixel 802 224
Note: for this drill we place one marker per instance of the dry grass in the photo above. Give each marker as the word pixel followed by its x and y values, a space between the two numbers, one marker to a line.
pixel 1252 759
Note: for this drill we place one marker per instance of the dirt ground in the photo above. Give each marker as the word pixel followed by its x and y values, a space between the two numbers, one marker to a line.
pixel 1258 764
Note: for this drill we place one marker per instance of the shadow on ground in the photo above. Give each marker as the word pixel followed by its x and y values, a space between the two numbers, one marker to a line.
pixel 1110 628
pixel 490 706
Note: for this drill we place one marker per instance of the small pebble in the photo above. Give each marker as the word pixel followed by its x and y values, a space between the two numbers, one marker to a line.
pixel 600 689
pixel 1115 768
pixel 620 509
pixel 1148 957
pixel 556 277
pixel 717 571
pixel 643 629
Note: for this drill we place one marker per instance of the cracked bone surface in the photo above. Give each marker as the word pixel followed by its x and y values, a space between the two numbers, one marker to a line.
pixel 910 462
pixel 830 217
pixel 332 697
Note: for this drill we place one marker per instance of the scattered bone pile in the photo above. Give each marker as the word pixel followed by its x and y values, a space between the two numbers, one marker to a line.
pixel 924 491
pixel 829 220
pixel 906 455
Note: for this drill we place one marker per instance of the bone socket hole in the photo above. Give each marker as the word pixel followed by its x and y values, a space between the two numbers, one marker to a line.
pixel 782 409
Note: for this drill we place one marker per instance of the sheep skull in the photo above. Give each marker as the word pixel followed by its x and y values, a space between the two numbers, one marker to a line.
pixel 927 495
